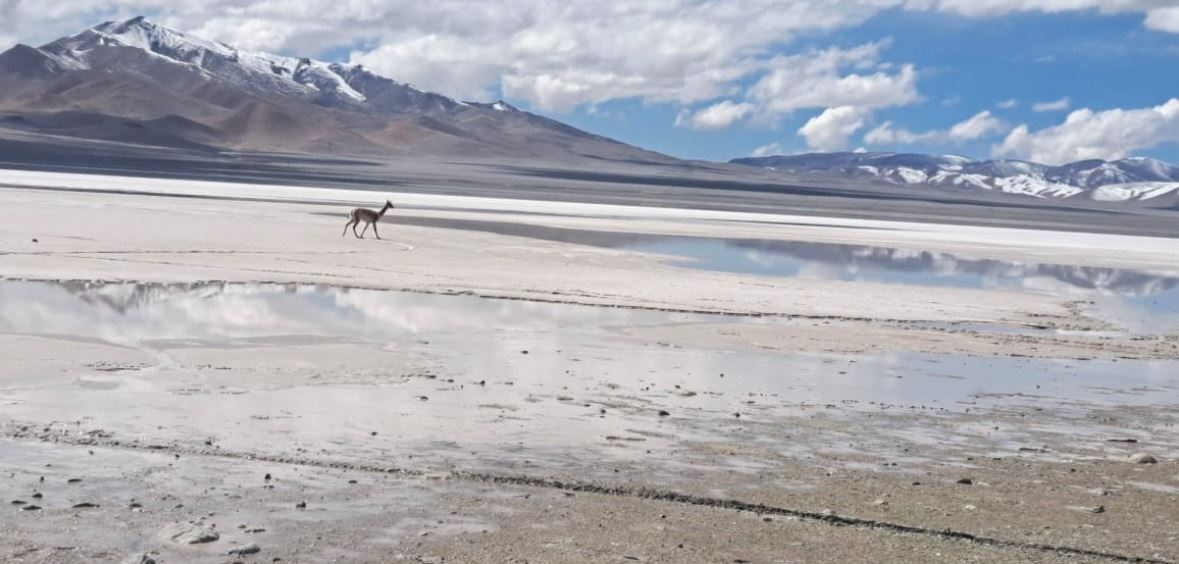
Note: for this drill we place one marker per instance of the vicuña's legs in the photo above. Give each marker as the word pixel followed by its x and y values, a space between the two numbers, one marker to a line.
pixel 365 230
pixel 354 229
pixel 375 230
pixel 346 225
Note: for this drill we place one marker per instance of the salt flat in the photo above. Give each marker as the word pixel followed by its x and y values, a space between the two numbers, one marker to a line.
pixel 503 396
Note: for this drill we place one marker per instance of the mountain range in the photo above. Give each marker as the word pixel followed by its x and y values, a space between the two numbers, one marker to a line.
pixel 137 82
pixel 1133 178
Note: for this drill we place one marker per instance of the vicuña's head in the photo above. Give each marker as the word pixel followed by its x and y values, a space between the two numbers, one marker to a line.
pixel 388 203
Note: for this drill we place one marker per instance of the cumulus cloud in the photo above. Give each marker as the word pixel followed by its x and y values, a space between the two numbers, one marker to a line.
pixel 1164 19
pixel 831 130
pixel 975 127
pixel 978 126
pixel 1085 134
pixel 829 78
pixel 1053 106
pixel 767 150
pixel 815 80
pixel 888 134
pixel 716 116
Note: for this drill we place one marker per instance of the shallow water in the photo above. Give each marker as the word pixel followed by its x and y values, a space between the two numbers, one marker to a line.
pixel 1135 299
pixel 545 346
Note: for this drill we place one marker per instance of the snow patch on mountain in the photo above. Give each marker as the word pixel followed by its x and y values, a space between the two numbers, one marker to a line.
pixel 264 72
pixel 1136 178
pixel 1134 191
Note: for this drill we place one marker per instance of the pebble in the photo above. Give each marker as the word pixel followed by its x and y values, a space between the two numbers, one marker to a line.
pixel 664 413
pixel 244 550
pixel 301 505
pixel 966 481
pixel 30 508
pixel 1143 458
pixel 196 534
pixel 85 505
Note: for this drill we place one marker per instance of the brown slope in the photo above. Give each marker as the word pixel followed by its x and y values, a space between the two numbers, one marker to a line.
pixel 167 131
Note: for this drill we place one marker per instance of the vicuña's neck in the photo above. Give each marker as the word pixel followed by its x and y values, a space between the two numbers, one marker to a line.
pixel 385 209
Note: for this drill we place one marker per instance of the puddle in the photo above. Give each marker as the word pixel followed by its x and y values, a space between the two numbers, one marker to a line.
pixel 1136 300
pixel 545 347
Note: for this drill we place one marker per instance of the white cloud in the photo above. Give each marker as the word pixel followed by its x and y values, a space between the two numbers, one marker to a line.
pixel 1053 106
pixel 1007 104
pixel 978 126
pixel 975 127
pixel 767 150
pixel 1164 19
pixel 1085 134
pixel 449 65
pixel 815 80
pixel 887 134
pixel 991 8
pixel 831 130
pixel 827 78
pixel 716 116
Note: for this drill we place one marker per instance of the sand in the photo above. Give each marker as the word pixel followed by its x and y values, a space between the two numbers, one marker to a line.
pixel 518 399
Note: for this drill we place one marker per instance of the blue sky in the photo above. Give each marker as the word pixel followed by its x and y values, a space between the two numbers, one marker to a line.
pixel 717 79
pixel 966 65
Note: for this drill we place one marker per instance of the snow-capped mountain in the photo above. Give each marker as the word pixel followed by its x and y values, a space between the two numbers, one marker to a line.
pixel 136 81
pixel 1134 178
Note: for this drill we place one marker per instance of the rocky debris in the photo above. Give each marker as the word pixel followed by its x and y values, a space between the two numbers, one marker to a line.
pixel 664 413
pixel 1122 440
pixel 301 505
pixel 966 481
pixel 85 505
pixel 30 507
pixel 244 550
pixel 1143 458
pixel 1095 509
pixel 196 534
pixel 19 502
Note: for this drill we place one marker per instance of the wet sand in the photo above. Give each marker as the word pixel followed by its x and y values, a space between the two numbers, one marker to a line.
pixel 508 398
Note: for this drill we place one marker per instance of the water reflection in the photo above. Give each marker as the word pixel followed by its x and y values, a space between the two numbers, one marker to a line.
pixel 1137 299
pixel 130 312
pixel 572 349
pixel 839 261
